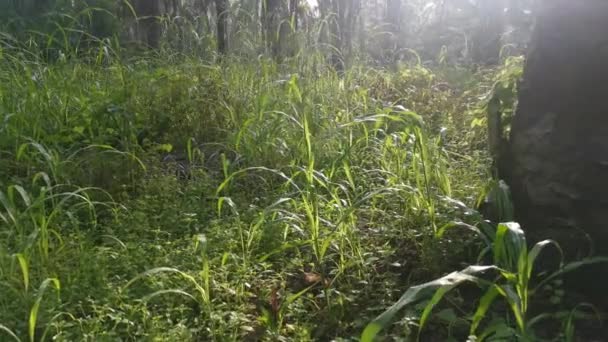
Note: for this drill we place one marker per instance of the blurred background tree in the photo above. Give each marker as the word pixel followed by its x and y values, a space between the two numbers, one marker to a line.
pixel 480 32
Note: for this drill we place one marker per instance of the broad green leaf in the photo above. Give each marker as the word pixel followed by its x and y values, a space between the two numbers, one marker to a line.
pixel 418 293
pixel 499 331
pixel 509 243
pixel 484 305
pixel 439 294
pixel 536 250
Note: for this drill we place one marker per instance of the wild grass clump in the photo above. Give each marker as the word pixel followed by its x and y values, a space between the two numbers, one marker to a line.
pixel 167 197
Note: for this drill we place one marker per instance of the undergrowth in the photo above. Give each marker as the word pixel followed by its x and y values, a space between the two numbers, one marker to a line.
pixel 166 197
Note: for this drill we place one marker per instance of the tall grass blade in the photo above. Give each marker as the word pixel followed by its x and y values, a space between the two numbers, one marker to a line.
pixel 25 270
pixel 9 332
pixel 36 307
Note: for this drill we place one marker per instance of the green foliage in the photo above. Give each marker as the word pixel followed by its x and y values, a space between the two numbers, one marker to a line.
pixel 179 198
pixel 514 264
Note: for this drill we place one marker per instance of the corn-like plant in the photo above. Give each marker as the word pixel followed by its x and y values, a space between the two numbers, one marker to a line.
pixel 513 266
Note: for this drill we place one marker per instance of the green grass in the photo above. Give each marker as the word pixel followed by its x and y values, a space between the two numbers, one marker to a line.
pixel 514 265
pixel 170 198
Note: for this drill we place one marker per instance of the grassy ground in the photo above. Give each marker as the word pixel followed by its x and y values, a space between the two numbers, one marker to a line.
pixel 168 198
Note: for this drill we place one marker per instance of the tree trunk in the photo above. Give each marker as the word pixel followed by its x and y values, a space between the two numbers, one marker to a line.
pixel 221 8
pixel 332 11
pixel 487 41
pixel 293 10
pixel 202 9
pixel 559 135
pixel 41 5
pixel 347 14
pixel 271 22
pixel 393 15
pixel 31 7
pixel 392 41
pixel 150 28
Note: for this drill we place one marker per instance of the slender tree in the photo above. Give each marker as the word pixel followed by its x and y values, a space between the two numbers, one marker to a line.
pixel 271 23
pixel 201 8
pixel 294 6
pixel 148 12
pixel 333 13
pixel 221 8
pixel 393 15
pixel 347 12
pixel 487 41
